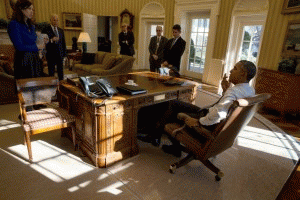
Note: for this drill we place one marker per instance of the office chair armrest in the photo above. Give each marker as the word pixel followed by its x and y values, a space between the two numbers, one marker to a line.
pixel 197 127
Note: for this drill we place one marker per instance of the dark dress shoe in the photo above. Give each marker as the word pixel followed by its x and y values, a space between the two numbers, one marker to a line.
pixel 39 106
pixel 172 149
pixel 149 139
pixel 156 142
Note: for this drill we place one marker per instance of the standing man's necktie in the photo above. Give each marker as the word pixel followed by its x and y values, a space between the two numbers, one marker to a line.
pixel 174 41
pixel 157 45
pixel 56 33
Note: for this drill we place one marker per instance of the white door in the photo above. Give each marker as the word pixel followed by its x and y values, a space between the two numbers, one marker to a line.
pixel 197 43
pixel 245 39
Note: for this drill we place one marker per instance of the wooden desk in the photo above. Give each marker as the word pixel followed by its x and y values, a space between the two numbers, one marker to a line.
pixel 106 129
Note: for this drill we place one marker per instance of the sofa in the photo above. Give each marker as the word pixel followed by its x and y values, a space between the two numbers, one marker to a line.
pixel 103 64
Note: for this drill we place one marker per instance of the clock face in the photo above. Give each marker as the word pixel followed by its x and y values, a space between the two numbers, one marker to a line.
pixel 126 19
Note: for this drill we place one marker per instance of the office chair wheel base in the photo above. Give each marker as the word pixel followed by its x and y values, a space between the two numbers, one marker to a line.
pixel 172 169
pixel 219 176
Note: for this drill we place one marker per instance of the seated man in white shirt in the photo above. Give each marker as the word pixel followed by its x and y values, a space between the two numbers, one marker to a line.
pixel 240 76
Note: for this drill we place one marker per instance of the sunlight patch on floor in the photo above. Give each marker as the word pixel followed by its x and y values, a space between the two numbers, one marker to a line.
pixel 113 189
pixel 81 185
pixel 6 124
pixel 52 162
pixel 274 143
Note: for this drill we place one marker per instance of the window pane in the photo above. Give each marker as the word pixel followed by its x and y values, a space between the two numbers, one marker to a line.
pixel 206 25
pixel 205 39
pixel 201 25
pixel 194 25
pixel 193 38
pixel 192 51
pixel 251 41
pixel 200 39
pixel 245 50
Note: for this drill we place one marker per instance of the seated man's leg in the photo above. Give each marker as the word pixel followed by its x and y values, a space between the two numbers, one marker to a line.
pixel 170 115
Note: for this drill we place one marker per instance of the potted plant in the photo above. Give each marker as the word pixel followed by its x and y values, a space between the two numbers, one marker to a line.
pixel 287 65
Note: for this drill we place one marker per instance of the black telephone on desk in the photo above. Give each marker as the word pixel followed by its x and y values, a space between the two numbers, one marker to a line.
pixel 97 87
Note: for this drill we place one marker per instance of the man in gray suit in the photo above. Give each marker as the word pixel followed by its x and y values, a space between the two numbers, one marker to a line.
pixel 156 48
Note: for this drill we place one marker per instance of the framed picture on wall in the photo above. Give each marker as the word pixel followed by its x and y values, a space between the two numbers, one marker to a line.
pixel 291 45
pixel 291 6
pixel 72 21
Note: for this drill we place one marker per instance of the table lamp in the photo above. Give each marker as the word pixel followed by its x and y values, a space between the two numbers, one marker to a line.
pixel 84 38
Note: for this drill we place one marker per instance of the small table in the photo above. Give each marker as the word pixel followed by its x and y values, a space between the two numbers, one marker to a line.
pixel 106 129
pixel 73 57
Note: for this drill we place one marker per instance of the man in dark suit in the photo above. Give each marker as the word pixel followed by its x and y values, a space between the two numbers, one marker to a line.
pixel 56 47
pixel 126 40
pixel 156 48
pixel 173 51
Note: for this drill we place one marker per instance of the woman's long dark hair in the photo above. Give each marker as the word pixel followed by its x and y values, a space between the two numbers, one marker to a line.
pixel 18 15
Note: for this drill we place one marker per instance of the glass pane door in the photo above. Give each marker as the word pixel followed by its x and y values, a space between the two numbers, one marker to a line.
pixel 198 45
pixel 250 43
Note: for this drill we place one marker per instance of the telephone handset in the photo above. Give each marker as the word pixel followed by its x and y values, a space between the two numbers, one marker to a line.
pixel 97 87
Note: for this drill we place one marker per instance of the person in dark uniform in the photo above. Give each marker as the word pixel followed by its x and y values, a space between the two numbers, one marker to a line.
pixel 126 41
pixel 173 51
pixel 156 48
pixel 56 47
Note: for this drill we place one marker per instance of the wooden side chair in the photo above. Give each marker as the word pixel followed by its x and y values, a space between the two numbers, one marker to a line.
pixel 217 141
pixel 50 116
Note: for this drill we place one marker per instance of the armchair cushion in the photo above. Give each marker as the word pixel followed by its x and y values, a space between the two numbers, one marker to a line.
pixel 99 57
pixel 109 62
pixel 50 116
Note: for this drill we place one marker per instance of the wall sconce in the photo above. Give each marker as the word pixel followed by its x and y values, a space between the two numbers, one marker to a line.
pixel 84 38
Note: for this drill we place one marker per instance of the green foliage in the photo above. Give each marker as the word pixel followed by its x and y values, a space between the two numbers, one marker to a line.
pixel 247 36
pixel 287 65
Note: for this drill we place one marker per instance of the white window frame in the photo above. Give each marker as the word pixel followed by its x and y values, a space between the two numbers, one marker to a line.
pixel 198 15
pixel 182 10
pixel 236 37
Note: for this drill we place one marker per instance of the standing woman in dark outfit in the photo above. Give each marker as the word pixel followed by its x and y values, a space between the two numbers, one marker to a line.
pixel 22 33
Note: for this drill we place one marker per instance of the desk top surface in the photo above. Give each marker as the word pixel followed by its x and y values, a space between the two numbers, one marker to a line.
pixel 152 82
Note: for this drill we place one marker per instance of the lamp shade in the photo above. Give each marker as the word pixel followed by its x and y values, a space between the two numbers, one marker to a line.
pixel 84 37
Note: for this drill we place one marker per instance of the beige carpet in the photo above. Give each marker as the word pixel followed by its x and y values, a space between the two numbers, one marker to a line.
pixel 256 167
